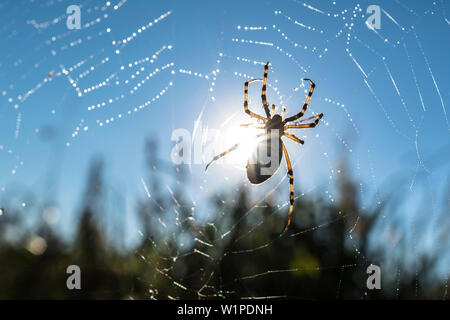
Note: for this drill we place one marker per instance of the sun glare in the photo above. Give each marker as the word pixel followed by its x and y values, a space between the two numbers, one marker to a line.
pixel 246 137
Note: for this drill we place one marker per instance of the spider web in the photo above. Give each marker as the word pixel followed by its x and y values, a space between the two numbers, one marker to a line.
pixel 99 73
pixel 349 38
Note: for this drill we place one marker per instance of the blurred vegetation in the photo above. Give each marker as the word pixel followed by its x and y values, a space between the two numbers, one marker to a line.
pixel 235 253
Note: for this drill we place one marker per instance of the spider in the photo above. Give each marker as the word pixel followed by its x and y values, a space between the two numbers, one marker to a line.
pixel 272 123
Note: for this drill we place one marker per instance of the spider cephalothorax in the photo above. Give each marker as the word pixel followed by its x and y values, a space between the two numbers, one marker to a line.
pixel 259 168
pixel 275 123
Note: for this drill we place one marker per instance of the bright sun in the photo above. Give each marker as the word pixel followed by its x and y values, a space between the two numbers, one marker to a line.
pixel 246 137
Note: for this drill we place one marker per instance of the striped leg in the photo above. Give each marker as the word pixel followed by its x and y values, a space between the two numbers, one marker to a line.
pixel 246 109
pixel 252 125
pixel 306 125
pixel 305 106
pixel 291 189
pixel 228 151
pixel 293 137
pixel 263 93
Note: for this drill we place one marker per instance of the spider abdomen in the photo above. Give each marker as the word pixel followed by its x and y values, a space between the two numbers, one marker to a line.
pixel 264 160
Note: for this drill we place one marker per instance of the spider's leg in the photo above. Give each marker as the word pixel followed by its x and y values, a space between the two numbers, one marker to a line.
pixel 246 109
pixel 222 155
pixel 305 105
pixel 310 118
pixel 306 125
pixel 228 151
pixel 293 137
pixel 252 125
pixel 291 189
pixel 273 111
pixel 263 92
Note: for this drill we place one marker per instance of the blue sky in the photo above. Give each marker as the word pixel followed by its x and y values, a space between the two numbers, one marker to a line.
pixel 384 94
